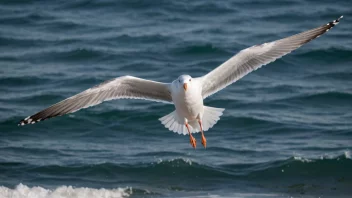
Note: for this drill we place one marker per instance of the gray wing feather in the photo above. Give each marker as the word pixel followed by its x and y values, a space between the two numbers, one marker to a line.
pixel 256 56
pixel 118 88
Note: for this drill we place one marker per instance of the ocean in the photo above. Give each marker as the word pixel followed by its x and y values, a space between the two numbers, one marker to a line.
pixel 286 130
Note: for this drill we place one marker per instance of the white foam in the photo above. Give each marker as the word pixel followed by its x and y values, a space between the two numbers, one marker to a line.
pixel 186 160
pixel 299 158
pixel 348 154
pixel 23 191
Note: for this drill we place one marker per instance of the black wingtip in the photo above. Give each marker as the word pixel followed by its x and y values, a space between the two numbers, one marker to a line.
pixel 335 22
pixel 27 120
pixel 22 122
pixel 338 20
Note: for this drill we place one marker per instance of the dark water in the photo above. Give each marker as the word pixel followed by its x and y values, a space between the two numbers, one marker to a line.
pixel 286 131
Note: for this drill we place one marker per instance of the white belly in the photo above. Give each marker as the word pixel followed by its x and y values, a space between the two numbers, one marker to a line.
pixel 189 106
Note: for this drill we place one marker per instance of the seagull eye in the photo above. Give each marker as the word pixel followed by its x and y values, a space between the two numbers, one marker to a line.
pixel 190 80
pixel 179 81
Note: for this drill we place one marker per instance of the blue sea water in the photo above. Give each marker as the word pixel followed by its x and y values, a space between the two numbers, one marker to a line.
pixel 286 130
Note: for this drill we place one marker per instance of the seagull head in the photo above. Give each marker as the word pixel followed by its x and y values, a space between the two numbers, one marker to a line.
pixel 184 81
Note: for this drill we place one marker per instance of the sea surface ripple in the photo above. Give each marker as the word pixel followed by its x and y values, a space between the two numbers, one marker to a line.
pixel 286 130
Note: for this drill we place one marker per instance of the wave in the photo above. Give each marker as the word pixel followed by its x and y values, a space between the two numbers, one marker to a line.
pixel 345 75
pixel 199 49
pixel 332 97
pixel 23 80
pixel 76 54
pixel 137 38
pixel 25 191
pixel 204 7
pixel 25 19
pixel 293 167
pixel 283 16
pixel 303 168
pixel 160 168
pixel 285 174
pixel 245 121
pixel 329 55
pixel 30 151
pixel 20 42
pixel 322 97
pixel 88 4
pixel 207 8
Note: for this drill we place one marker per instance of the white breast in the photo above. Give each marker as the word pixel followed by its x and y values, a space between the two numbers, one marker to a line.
pixel 188 104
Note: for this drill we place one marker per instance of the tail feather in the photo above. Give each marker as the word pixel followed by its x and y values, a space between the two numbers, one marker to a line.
pixel 176 124
pixel 211 116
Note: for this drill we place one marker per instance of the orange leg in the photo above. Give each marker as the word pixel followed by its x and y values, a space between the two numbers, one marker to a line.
pixel 204 141
pixel 191 138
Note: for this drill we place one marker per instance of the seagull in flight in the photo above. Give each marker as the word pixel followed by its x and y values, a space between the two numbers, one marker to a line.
pixel 186 93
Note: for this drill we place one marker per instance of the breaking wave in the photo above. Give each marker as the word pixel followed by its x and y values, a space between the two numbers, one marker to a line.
pixel 23 191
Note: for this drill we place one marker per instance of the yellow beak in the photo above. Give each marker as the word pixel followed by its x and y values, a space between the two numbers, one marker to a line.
pixel 185 86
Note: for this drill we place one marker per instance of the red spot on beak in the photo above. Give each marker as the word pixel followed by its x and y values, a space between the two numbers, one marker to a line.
pixel 185 86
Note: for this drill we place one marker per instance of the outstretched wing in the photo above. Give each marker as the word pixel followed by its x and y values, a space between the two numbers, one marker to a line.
pixel 118 88
pixel 256 56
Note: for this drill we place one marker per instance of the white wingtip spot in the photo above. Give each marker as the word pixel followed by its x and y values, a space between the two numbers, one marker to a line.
pixel 335 22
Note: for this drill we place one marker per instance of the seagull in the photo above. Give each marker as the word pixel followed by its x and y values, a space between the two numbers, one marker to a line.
pixel 186 93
